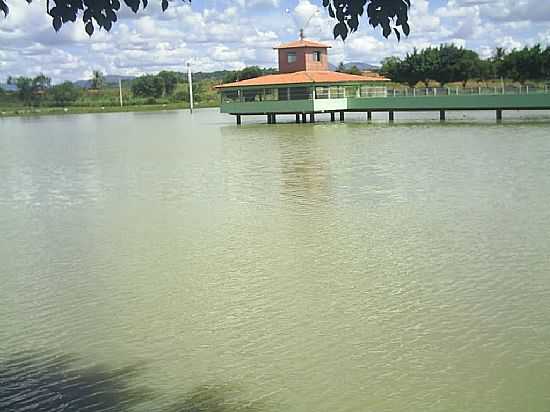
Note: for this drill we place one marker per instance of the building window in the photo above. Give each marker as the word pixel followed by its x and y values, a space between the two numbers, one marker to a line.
pixel 300 93
pixel 291 57
pixel 317 56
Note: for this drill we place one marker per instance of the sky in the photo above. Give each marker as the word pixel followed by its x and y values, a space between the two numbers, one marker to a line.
pixel 231 34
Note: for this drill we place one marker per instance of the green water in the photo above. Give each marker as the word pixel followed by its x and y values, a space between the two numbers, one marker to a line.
pixel 163 262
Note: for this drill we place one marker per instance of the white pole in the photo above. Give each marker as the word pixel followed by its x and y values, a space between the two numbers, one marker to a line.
pixel 190 81
pixel 120 91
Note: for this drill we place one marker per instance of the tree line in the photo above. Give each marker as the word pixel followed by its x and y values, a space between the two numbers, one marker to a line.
pixel 250 72
pixel 449 63
pixel 164 87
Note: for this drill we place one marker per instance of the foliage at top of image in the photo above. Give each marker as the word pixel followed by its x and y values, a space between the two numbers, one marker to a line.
pixel 390 15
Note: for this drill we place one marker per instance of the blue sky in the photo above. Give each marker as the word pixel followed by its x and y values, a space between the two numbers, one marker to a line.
pixel 231 34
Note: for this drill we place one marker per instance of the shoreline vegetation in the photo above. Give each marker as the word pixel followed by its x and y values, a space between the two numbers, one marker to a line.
pixel 71 110
pixel 105 100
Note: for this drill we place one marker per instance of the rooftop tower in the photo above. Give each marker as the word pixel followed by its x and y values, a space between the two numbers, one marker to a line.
pixel 302 55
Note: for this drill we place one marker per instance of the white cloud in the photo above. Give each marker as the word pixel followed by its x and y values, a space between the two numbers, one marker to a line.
pixel 224 34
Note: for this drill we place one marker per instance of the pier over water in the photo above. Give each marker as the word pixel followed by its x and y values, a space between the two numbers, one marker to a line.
pixel 364 98
pixel 304 86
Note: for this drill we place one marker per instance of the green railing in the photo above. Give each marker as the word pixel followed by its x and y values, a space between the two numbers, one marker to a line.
pixel 459 91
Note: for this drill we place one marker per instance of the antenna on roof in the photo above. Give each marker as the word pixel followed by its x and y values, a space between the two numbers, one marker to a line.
pixel 306 24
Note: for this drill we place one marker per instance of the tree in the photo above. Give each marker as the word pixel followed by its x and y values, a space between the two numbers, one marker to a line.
pixel 546 63
pixel 29 90
pixel 352 70
pixel 170 81
pixel 148 86
pixel 390 67
pixel 97 81
pixel 24 89
pixel 487 70
pixel 390 15
pixel 414 69
pixel 64 93
pixel 452 64
pixel 524 64
pixel 250 72
pixel 496 60
pixel 41 83
pixel 183 95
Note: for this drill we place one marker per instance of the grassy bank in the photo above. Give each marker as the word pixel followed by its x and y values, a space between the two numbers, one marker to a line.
pixel 13 111
pixel 105 100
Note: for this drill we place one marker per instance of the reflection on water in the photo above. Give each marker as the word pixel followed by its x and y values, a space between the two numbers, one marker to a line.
pixel 305 173
pixel 290 267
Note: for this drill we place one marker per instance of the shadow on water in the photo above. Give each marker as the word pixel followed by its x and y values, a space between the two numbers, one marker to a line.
pixel 45 382
pixel 214 399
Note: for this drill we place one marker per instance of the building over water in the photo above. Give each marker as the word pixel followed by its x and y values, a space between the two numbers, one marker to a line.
pixel 304 85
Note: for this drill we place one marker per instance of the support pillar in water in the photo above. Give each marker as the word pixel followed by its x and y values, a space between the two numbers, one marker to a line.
pixel 238 117
pixel 332 116
pixel 304 118
pixel 341 116
pixel 442 115
pixel 312 117
pixel 499 115
pixel 369 116
pixel 391 116
pixel 297 118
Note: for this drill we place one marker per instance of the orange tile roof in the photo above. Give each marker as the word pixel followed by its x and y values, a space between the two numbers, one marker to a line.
pixel 306 77
pixel 302 43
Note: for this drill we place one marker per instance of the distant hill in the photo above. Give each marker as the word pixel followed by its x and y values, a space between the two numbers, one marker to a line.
pixel 109 79
pixel 361 66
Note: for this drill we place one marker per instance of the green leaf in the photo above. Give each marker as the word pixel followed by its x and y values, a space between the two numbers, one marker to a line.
pixel 57 23
pixel 340 30
pixel 397 34
pixel 89 28
pixel 4 8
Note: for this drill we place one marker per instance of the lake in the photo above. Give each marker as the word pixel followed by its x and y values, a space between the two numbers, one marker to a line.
pixel 169 262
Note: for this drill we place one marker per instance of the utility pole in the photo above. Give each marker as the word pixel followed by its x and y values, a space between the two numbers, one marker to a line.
pixel 120 91
pixel 190 81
